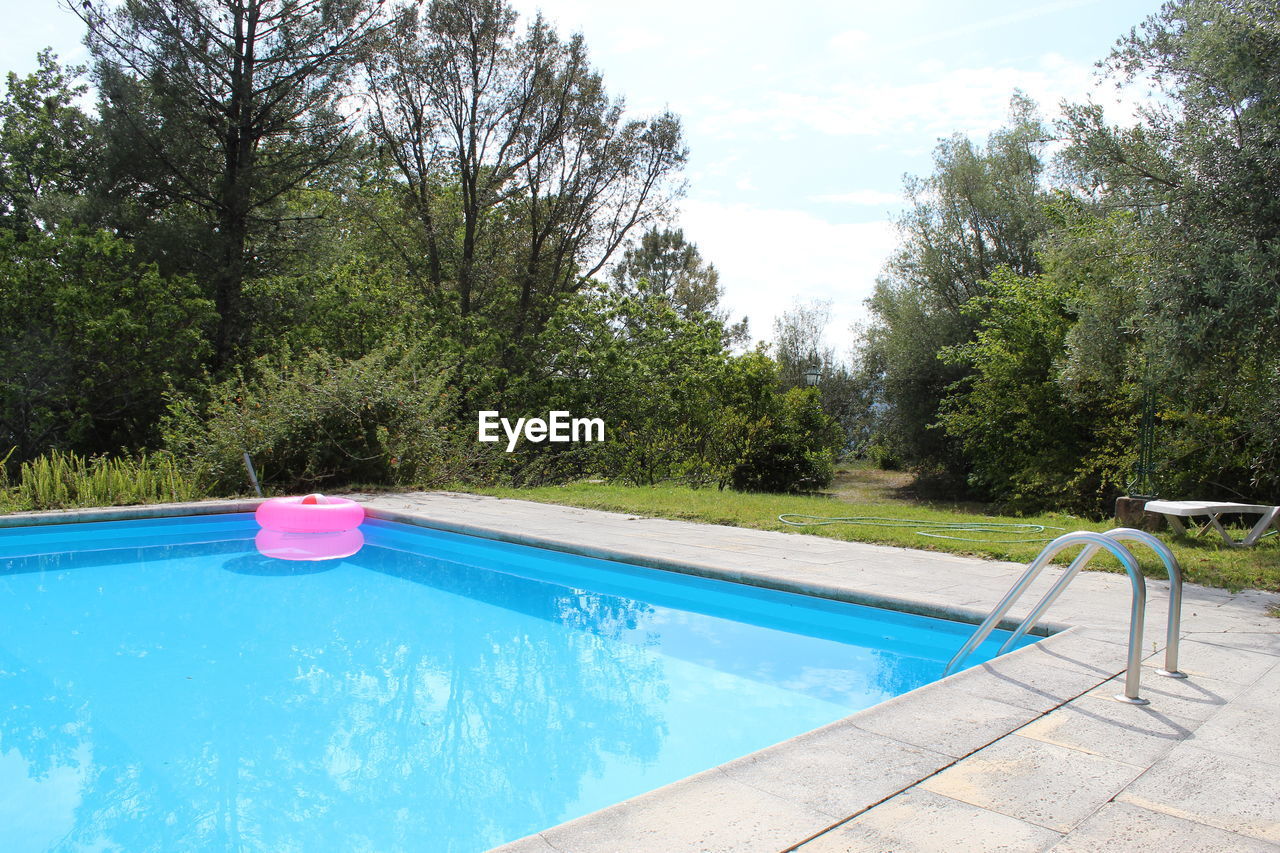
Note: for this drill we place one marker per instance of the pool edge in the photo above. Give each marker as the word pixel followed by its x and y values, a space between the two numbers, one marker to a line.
pixel 743 576
pixel 128 512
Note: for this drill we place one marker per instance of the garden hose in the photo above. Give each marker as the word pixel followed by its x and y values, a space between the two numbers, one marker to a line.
pixel 932 529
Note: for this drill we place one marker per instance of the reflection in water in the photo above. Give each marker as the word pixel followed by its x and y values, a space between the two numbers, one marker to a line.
pixel 280 545
pixel 39 802
pixel 393 701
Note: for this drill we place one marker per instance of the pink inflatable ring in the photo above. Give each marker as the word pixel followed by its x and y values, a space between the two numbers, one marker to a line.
pixel 311 514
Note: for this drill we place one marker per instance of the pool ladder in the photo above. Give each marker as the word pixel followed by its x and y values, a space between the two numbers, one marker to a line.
pixel 1111 541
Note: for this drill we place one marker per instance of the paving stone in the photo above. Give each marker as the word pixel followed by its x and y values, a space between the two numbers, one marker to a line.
pixel 837 770
pixel 1256 641
pixel 1124 826
pixel 943 718
pixel 1133 734
pixel 1264 693
pixel 1189 698
pixel 1248 731
pixel 1050 786
pixel 920 821
pixel 1223 663
pixel 528 844
pixel 1026 679
pixel 709 813
pixel 1077 651
pixel 1229 792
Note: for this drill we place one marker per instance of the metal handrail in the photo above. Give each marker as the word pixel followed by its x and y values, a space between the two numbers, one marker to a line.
pixel 1174 630
pixel 1123 534
pixel 1094 542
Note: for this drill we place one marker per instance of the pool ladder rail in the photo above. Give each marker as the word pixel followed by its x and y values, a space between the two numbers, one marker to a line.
pixel 1111 541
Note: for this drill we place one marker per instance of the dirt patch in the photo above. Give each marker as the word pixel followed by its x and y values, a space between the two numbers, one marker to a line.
pixel 865 483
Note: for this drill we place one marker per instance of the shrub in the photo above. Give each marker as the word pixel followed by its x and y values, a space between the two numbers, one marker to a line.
pixel 59 480
pixel 768 441
pixel 319 420
pixel 790 449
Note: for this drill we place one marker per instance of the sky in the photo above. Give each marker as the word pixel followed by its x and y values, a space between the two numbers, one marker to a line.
pixel 801 118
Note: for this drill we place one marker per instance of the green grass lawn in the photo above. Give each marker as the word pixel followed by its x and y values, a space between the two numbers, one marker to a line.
pixel 863 491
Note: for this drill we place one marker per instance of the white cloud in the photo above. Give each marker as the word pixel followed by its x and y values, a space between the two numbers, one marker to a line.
pixel 985 24
pixel 863 198
pixel 850 40
pixel 936 102
pixel 969 100
pixel 770 258
pixel 633 39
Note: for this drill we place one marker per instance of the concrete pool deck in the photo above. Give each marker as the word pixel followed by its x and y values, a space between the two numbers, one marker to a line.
pixel 1028 752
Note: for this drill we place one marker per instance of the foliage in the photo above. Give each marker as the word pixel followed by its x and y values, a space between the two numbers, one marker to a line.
pixel 44 145
pixel 798 345
pixel 91 339
pixel 318 420
pixel 791 449
pixel 216 110
pixel 305 276
pixel 58 480
pixel 980 210
pixel 677 406
pixel 1048 416
pixel 1149 283
pixel 1203 174
pixel 521 175
pixel 348 307
pixel 649 373
pixel 664 264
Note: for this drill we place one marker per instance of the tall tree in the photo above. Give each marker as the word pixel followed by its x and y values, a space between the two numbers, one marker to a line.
pixel 981 209
pixel 798 344
pixel 522 173
pixel 664 264
pixel 45 145
pixel 90 341
pixel 1201 171
pixel 226 106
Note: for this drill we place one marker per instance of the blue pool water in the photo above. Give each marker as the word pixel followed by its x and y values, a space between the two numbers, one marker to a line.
pixel 166 687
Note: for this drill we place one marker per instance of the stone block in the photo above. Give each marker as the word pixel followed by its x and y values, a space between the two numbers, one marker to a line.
pixel 920 821
pixel 1050 786
pixel 1229 792
pixel 1124 826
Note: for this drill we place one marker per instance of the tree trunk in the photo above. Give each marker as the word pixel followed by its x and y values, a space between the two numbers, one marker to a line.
pixel 233 213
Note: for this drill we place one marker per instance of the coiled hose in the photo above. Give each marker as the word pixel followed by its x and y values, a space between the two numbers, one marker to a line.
pixel 932 529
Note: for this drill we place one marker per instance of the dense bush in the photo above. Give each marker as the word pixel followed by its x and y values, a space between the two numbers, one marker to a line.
pixel 318 420
pixel 677 406
pixel 770 441
pixel 89 339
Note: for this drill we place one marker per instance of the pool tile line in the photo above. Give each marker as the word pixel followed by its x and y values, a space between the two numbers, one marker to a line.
pixel 125 513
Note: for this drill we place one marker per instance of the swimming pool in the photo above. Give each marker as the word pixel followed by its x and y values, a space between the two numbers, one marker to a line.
pixel 164 686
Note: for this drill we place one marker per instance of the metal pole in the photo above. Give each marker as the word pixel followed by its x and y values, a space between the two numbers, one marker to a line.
pixel 253 475
pixel 1030 620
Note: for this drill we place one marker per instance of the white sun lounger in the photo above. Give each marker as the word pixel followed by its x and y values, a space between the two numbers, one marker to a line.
pixel 1175 511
